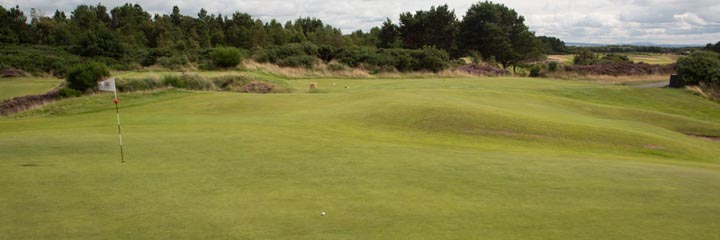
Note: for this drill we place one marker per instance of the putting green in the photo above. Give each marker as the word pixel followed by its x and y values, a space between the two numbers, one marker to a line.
pixel 491 158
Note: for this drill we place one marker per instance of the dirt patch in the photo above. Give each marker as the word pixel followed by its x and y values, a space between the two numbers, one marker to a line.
pixel 257 87
pixel 482 70
pixel 709 138
pixel 7 73
pixel 654 147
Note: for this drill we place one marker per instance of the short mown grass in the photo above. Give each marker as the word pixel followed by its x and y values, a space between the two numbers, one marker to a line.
pixel 456 158
pixel 21 86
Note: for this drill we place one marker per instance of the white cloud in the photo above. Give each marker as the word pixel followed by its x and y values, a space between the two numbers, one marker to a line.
pixel 608 21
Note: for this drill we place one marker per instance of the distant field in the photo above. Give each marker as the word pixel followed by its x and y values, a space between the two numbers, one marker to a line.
pixel 647 58
pixel 567 59
pixel 490 158
pixel 655 58
pixel 15 87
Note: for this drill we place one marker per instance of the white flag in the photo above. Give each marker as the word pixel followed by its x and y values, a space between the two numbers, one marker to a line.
pixel 107 85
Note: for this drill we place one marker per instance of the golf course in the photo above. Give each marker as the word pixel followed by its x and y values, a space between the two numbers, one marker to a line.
pixel 427 158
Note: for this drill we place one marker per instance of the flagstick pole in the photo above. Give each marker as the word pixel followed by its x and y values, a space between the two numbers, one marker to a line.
pixel 117 113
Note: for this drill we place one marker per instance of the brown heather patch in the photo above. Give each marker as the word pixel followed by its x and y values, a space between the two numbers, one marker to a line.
pixel 24 103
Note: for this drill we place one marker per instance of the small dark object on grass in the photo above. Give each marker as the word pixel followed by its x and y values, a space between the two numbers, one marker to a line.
pixel 676 81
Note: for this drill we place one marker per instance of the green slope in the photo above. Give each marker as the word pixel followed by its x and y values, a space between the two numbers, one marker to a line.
pixel 15 87
pixel 493 158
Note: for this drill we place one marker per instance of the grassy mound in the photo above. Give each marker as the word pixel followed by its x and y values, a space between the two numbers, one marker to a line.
pixel 501 158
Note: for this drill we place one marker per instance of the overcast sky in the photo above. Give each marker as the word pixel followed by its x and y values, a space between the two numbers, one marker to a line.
pixel 591 21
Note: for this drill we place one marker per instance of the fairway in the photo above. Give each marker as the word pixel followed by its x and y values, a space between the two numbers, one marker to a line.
pixel 21 86
pixel 655 58
pixel 474 158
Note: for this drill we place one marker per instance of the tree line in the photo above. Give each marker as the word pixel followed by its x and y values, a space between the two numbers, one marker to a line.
pixel 129 34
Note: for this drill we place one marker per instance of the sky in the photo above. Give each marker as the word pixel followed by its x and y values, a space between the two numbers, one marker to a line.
pixel 588 21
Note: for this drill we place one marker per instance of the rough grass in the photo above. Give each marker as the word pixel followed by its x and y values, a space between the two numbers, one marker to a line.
pixel 21 86
pixel 501 158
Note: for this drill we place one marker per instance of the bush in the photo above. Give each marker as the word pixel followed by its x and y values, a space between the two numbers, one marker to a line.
pixel 475 57
pixel 402 59
pixel 700 67
pixel 85 76
pixel 353 56
pixel 615 58
pixel 585 57
pixel 327 53
pixel 333 66
pixel 552 66
pixel 433 59
pixel 535 71
pixel 305 61
pixel 37 59
pixel 226 57
pixel 278 53
pixel 174 61
pixel 68 93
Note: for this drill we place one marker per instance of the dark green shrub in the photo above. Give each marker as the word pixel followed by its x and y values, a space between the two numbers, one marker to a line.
pixel 552 66
pixel 333 66
pixel 475 56
pixel 382 59
pixel 279 53
pixel 615 58
pixel 37 59
pixel 585 56
pixel 700 67
pixel 353 56
pixel 327 53
pixel 85 76
pixel 152 56
pixel 402 59
pixel 174 61
pixel 305 61
pixel 432 59
pixel 68 93
pixel 226 57
pixel 535 71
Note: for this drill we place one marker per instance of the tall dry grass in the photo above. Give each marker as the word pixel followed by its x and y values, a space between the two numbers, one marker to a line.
pixel 324 70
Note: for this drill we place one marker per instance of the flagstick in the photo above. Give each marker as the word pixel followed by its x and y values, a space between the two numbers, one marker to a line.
pixel 117 113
